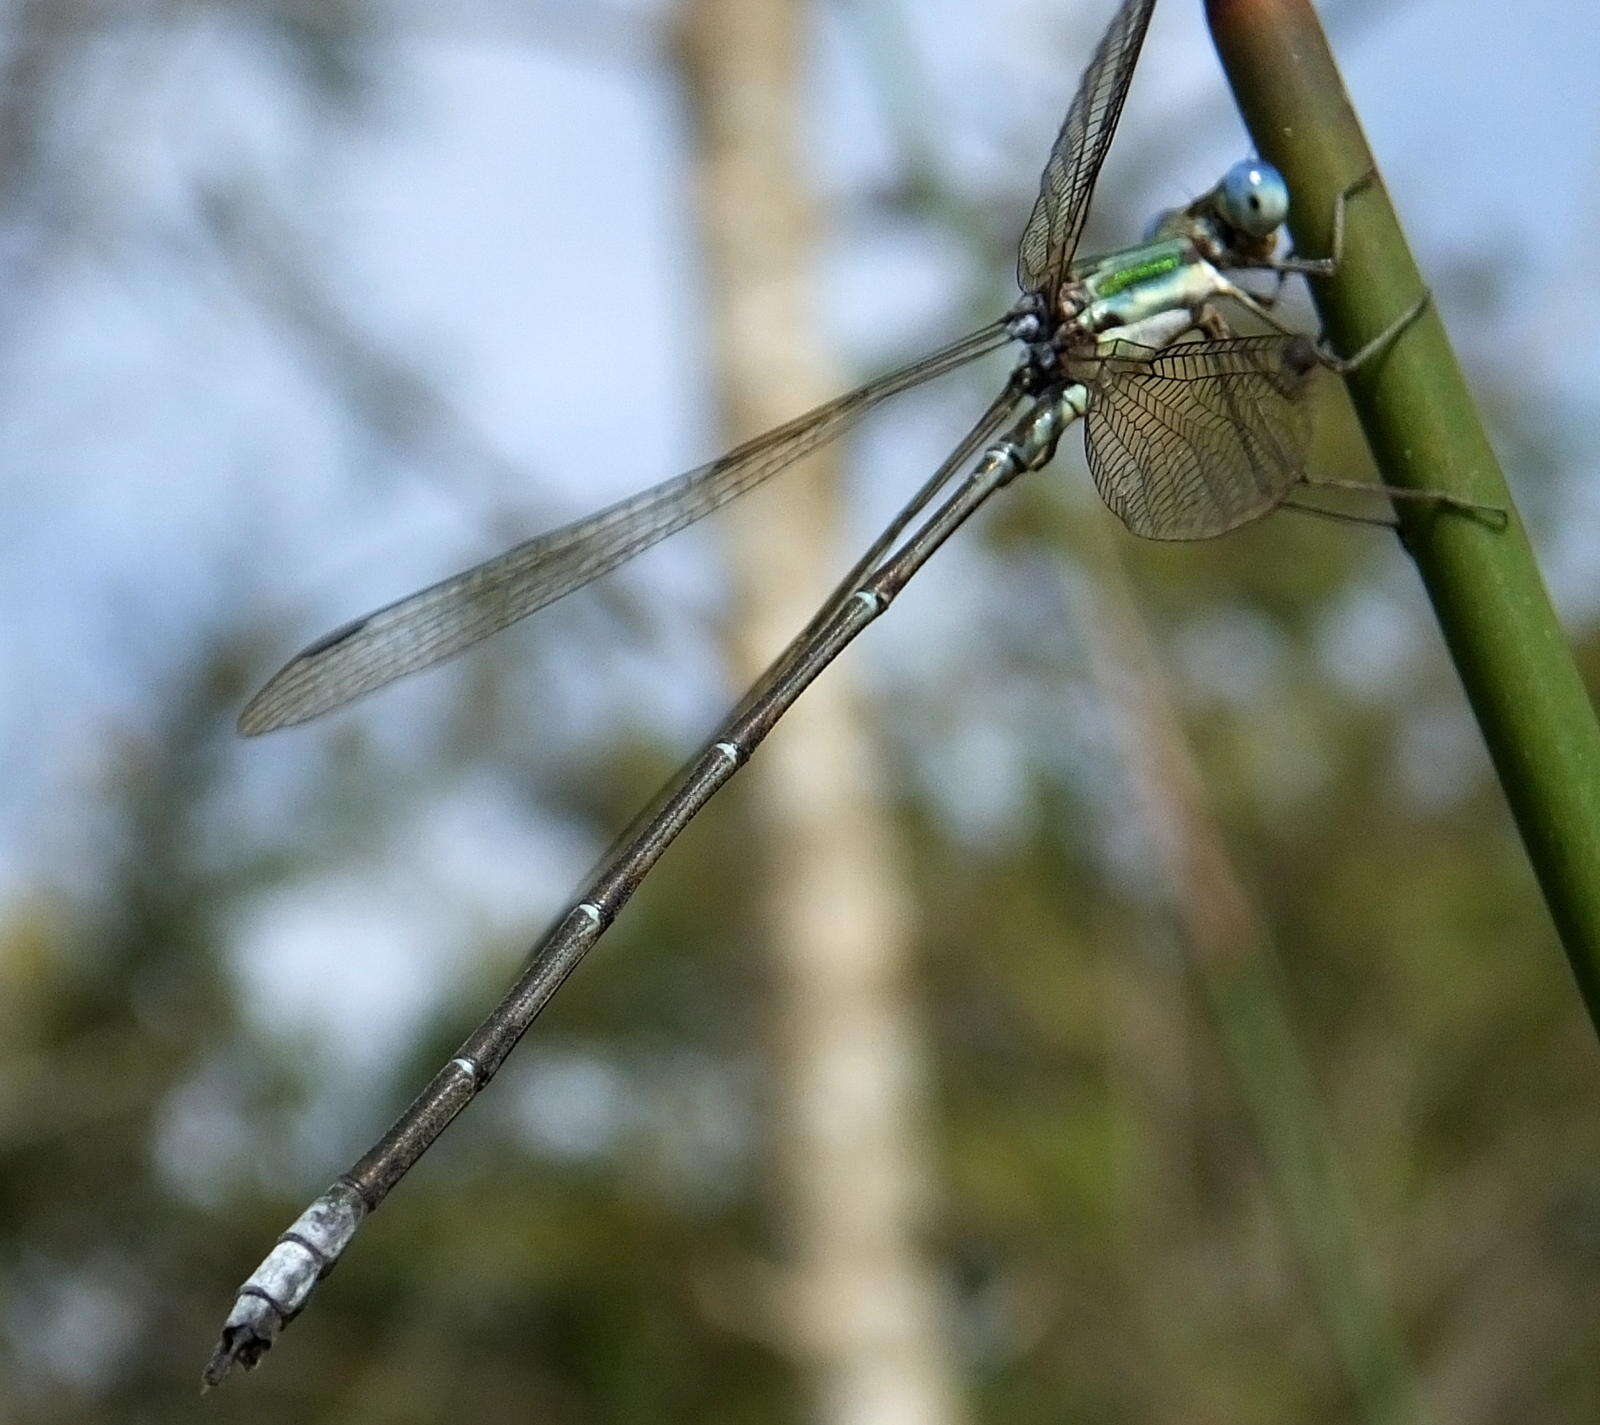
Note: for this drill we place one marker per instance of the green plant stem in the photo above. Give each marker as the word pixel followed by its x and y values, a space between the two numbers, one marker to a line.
pixel 1486 589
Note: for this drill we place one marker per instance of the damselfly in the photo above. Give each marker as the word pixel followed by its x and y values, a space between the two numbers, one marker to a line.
pixel 1191 431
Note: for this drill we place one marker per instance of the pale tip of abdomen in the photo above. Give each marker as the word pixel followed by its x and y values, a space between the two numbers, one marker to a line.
pixel 278 1288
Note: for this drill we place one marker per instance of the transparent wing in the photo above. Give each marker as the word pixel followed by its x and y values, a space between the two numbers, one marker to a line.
pixel 1202 437
pixel 1000 410
pixel 447 617
pixel 1051 237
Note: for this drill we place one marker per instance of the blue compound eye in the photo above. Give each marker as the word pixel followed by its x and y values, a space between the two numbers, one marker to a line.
pixel 1253 197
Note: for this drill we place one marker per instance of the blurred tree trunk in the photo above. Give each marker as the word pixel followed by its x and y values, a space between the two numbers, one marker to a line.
pixel 861 1309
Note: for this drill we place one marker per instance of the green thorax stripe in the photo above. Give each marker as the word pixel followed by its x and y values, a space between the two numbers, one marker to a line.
pixel 1119 271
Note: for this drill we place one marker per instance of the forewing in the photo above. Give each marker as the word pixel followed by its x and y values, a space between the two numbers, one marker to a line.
pixel 1202 437
pixel 1051 237
pixel 447 617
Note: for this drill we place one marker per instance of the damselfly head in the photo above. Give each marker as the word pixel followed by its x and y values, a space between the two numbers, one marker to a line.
pixel 1252 198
